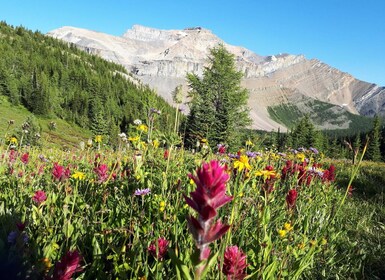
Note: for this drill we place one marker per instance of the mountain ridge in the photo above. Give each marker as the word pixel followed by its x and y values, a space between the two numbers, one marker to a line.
pixel 162 58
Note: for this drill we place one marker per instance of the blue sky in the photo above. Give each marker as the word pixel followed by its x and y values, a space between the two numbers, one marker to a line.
pixel 348 35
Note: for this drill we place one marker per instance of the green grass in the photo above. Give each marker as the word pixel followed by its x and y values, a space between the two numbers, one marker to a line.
pixel 65 135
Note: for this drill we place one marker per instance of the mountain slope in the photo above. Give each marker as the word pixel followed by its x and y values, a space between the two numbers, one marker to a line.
pixel 161 58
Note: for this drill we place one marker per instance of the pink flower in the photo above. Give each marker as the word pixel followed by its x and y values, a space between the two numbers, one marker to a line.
pixel 209 196
pixel 59 173
pixel 67 266
pixel 39 197
pixel 166 154
pixel 160 252
pixel 102 172
pixel 221 149
pixel 25 158
pixel 21 226
pixel 291 198
pixel 234 263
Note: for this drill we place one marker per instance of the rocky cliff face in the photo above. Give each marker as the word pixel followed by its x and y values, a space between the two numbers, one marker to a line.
pixel 161 58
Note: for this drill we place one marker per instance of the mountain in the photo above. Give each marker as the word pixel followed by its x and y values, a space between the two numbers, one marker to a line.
pixel 161 59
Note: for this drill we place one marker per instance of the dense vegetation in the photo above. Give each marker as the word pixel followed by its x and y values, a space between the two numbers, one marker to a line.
pixel 137 205
pixel 53 79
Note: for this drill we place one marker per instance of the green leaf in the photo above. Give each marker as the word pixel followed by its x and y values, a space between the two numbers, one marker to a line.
pixel 210 262
pixel 181 268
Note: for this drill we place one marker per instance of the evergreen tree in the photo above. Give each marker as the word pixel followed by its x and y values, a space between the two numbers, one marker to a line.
pixel 374 153
pixel 218 102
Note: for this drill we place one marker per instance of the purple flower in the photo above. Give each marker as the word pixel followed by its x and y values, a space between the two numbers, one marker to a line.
pixel 12 236
pixel 234 156
pixel 314 150
pixel 301 149
pixel 142 191
pixel 251 154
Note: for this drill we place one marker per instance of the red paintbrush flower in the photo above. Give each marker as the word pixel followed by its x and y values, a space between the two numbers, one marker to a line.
pixel 39 197
pixel 209 195
pixel 291 198
pixel 234 263
pixel 158 252
pixel 67 266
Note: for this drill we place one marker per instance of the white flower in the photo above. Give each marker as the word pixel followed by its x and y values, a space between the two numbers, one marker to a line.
pixel 137 122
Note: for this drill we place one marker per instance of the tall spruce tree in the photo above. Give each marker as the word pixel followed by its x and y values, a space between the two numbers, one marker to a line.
pixel 218 102
pixel 374 151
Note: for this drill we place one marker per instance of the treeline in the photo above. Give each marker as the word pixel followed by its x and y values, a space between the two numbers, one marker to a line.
pixel 55 79
pixel 334 144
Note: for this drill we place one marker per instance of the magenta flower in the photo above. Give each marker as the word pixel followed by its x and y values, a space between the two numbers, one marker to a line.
pixel 39 197
pixel 291 198
pixel 60 173
pixel 234 263
pixel 67 266
pixel 25 158
pixel 160 252
pixel 102 172
pixel 209 195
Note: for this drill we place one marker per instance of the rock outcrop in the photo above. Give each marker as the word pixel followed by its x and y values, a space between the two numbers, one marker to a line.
pixel 161 59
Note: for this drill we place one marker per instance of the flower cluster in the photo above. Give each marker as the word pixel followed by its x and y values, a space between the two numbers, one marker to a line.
pixel 158 250
pixel 234 263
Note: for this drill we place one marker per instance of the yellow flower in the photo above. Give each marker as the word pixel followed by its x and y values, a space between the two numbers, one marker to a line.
pixel 142 127
pixel 249 143
pixel 133 139
pixel 301 157
pixel 267 174
pixel 313 242
pixel 13 140
pixel 47 264
pixel 323 241
pixel 78 175
pixel 192 182
pixel 162 206
pixel 288 226
pixel 242 163
pixel 204 140
pixel 155 143
pixel 137 177
pixel 98 138
pixel 301 245
pixel 282 233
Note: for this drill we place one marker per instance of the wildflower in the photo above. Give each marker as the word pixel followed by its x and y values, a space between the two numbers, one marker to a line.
pixel 288 226
pixel 312 243
pixel 39 197
pixel 158 251
pixel 137 122
pixel 204 141
pixel 282 233
pixel 301 157
pixel 301 245
pixel 221 149
pixel 267 174
pixel 314 150
pixel 102 172
pixel 21 226
pixel 233 156
pixel 134 139
pixel 234 263
pixel 242 163
pixel 67 266
pixel 329 174
pixel 13 140
pixel 142 191
pixel 155 143
pixel 323 241
pixel 249 143
pixel 350 191
pixel 251 154
pixel 59 172
pixel 78 175
pixel 25 158
pixel 12 236
pixel 98 139
pixel 89 142
pixel 162 206
pixel 47 264
pixel 166 154
pixel 142 127
pixel 291 198
pixel 210 194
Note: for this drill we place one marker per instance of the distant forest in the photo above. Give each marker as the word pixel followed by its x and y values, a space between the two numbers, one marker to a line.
pixel 55 79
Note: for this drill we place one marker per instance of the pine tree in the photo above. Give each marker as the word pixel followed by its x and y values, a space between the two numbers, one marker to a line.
pixel 218 102
pixel 374 153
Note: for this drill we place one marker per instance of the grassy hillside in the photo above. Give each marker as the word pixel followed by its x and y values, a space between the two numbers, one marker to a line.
pixel 65 135
pixel 55 80
pixel 324 116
